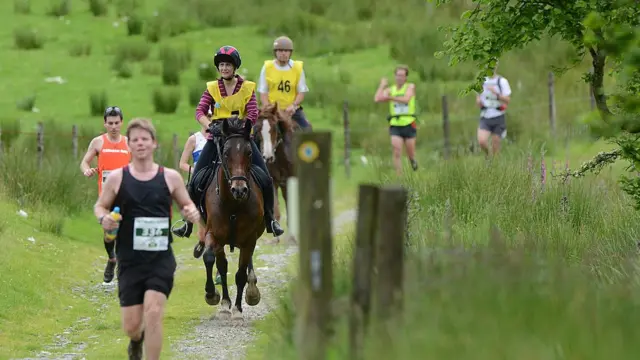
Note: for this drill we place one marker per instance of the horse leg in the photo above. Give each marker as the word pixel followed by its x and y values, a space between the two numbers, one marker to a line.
pixel 241 281
pixel 212 296
pixel 252 297
pixel 224 312
pixel 277 201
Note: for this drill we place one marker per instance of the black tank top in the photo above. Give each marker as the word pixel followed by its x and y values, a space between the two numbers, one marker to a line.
pixel 144 235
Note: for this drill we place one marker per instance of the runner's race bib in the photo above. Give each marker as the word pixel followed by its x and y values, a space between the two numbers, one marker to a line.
pixel 105 173
pixel 400 108
pixel 151 234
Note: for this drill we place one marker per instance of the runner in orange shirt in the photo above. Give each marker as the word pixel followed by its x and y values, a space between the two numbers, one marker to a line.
pixel 113 153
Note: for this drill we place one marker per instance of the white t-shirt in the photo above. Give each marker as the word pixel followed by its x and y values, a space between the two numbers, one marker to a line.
pixel 263 88
pixel 200 143
pixel 490 100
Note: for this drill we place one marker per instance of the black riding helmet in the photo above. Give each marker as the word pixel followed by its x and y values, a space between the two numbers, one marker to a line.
pixel 227 54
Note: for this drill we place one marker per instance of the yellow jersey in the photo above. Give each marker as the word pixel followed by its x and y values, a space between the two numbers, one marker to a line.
pixel 282 84
pixel 224 106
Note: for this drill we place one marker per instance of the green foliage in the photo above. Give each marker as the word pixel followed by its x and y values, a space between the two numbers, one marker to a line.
pixel 27 38
pixel 207 71
pixel 134 24
pixel 98 7
pixel 26 103
pixel 195 93
pixel 80 48
pixel 166 99
pixel 97 102
pixel 134 49
pixel 22 7
pixel 123 69
pixel 10 132
pixel 59 8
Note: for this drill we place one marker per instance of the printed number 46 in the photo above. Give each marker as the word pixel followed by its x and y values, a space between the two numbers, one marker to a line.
pixel 284 86
pixel 151 231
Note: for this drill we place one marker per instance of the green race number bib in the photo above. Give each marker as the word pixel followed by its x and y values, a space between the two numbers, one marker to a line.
pixel 151 234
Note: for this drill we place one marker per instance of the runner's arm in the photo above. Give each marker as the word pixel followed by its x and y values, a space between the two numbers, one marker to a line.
pixel 411 91
pixel 188 149
pixel 91 153
pixel 107 197
pixel 382 95
pixel 181 196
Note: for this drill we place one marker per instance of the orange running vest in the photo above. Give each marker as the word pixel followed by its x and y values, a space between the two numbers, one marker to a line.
pixel 112 156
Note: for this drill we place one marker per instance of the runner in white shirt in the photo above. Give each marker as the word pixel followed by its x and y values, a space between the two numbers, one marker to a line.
pixel 493 101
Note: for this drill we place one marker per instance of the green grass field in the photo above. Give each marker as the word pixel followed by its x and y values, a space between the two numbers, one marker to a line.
pixel 52 261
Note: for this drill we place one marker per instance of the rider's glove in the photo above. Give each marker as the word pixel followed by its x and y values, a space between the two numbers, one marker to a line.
pixel 215 128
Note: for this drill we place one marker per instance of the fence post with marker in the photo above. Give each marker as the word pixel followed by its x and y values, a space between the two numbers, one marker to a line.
pixel 315 289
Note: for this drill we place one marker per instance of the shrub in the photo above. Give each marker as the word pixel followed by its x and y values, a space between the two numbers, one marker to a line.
pixel 207 71
pixel 173 62
pixel 195 93
pixel 151 68
pixel 133 49
pixel 124 70
pixel 10 132
pixel 27 39
pixel 22 6
pixel 80 49
pixel 166 99
pixel 134 24
pixel 26 103
pixel 59 8
pixel 97 102
pixel 98 7
pixel 153 30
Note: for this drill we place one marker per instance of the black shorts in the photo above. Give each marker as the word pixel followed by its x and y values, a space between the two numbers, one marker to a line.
pixel 405 132
pixel 495 125
pixel 135 280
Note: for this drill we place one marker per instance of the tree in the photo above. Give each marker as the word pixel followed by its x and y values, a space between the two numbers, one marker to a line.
pixel 606 30
pixel 603 29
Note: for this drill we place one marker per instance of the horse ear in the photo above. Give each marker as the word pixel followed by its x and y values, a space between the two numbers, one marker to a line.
pixel 225 127
pixel 248 125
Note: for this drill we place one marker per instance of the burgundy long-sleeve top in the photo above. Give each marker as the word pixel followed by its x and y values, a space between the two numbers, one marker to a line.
pixel 207 101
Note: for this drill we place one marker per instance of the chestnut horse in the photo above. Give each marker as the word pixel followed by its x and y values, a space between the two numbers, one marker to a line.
pixel 270 129
pixel 235 217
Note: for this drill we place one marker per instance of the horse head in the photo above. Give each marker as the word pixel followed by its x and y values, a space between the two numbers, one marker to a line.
pixel 270 129
pixel 235 155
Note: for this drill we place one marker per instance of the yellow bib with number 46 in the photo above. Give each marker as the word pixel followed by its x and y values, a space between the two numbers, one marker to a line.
pixel 151 234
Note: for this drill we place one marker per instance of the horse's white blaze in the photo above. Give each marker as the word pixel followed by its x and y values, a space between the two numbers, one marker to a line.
pixel 267 146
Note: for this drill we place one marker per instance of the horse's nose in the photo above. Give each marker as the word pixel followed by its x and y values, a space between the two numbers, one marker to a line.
pixel 239 192
pixel 268 158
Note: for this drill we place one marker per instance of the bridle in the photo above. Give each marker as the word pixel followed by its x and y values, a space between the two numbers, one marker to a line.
pixel 223 164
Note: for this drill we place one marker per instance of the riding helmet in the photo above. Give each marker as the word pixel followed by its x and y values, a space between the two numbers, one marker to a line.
pixel 227 54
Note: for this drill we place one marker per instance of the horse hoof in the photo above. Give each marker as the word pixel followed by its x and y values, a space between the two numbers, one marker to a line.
pixel 224 312
pixel 198 250
pixel 252 296
pixel 236 314
pixel 212 299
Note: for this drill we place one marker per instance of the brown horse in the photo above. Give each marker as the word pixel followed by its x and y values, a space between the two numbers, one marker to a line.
pixel 270 131
pixel 235 217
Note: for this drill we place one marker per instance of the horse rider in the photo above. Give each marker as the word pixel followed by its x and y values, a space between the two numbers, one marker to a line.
pixel 227 95
pixel 144 191
pixel 113 153
pixel 282 81
pixel 402 115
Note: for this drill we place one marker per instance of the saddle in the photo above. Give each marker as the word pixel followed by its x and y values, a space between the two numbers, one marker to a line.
pixel 208 175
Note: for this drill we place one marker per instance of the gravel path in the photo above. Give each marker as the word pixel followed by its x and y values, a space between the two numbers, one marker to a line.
pixel 211 339
pixel 216 339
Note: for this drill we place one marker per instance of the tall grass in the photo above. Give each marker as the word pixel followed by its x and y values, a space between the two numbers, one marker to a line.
pixel 501 267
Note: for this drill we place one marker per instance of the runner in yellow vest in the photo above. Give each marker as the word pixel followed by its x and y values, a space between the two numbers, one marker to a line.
pixel 402 116
pixel 282 81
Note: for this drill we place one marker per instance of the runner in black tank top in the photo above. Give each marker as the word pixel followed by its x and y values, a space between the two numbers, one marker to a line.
pixel 142 270
pixel 144 191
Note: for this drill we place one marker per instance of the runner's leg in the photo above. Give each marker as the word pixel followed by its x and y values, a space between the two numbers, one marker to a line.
pixel 154 304
pixel 109 270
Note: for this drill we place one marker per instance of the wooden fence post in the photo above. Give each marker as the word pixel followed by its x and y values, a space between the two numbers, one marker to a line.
pixel 315 288
pixel 363 260
pixel 74 140
pixel 552 105
pixel 445 127
pixel 1 147
pixel 176 152
pixel 347 139
pixel 390 239
pixel 40 142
